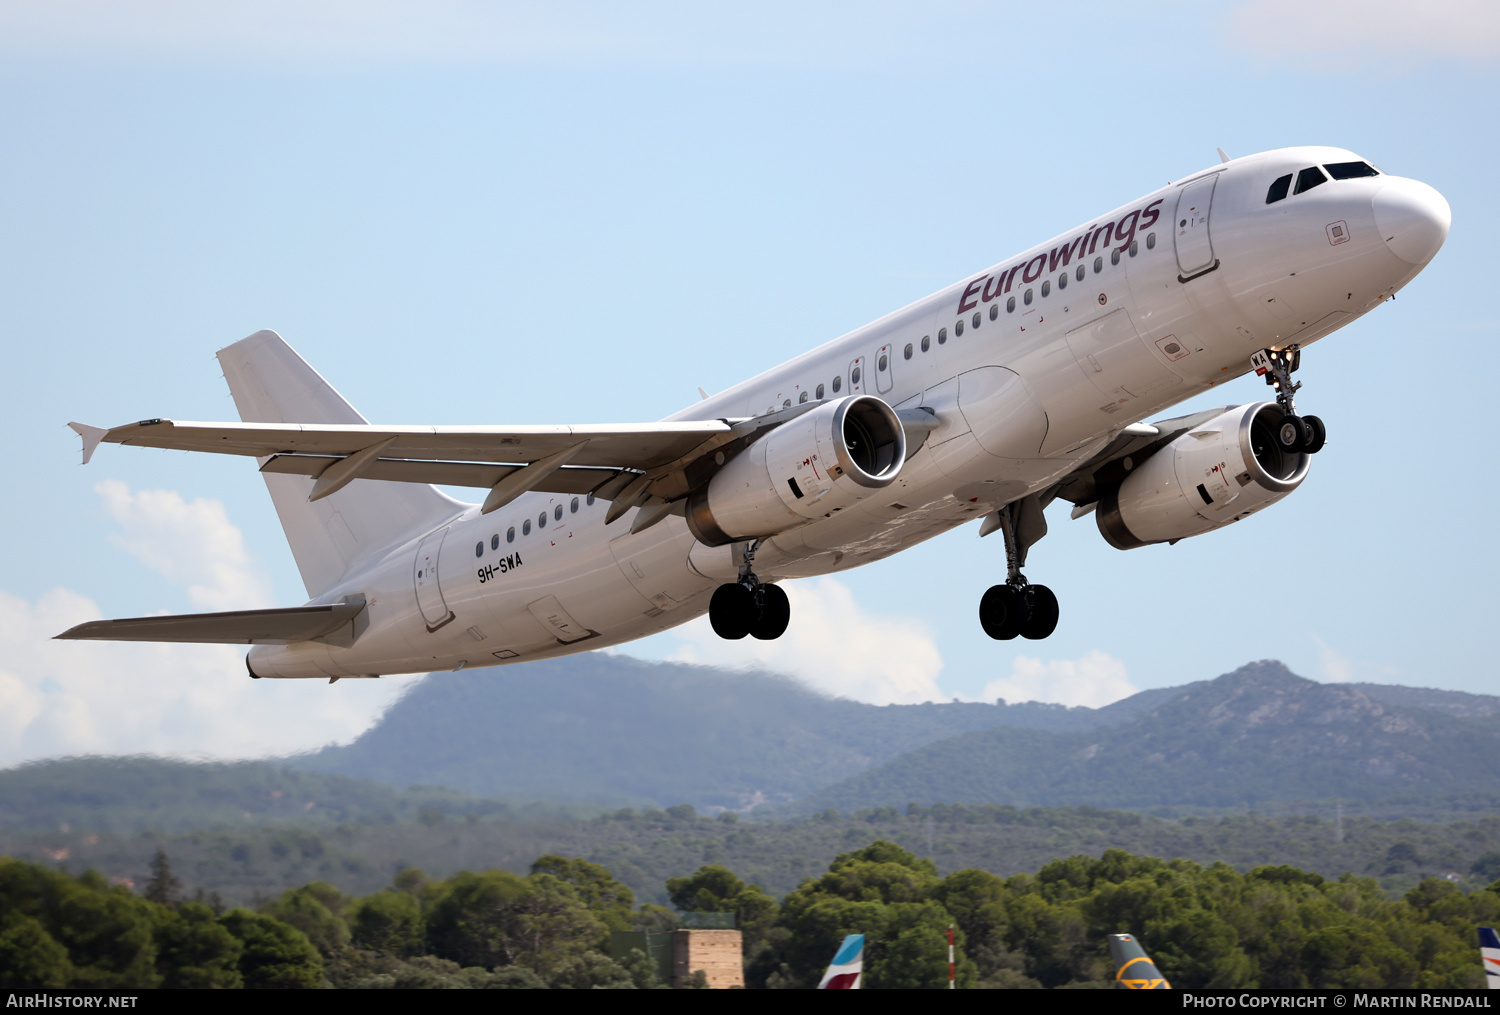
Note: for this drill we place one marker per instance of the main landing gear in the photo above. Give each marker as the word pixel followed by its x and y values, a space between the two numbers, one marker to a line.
pixel 1295 434
pixel 1017 608
pixel 749 606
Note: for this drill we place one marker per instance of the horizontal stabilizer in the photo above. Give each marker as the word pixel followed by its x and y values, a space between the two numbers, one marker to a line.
pixel 237 627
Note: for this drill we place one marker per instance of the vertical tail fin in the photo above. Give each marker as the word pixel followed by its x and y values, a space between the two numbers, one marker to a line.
pixel 1489 957
pixel 1133 969
pixel 848 965
pixel 272 384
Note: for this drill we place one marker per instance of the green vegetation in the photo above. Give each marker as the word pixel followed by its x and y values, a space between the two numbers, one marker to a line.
pixel 1206 927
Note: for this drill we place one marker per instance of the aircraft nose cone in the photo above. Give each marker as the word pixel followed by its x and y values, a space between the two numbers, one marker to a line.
pixel 1413 219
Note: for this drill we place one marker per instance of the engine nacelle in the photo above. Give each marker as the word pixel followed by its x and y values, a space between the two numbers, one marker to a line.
pixel 1217 473
pixel 823 461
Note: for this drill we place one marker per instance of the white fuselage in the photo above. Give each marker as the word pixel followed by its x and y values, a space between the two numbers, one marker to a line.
pixel 1030 369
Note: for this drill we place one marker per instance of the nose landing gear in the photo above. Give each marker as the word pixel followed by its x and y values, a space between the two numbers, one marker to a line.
pixel 1017 608
pixel 1295 434
pixel 749 606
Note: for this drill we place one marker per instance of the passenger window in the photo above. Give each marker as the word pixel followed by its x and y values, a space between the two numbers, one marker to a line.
pixel 1350 170
pixel 589 500
pixel 541 520
pixel 994 311
pixel 1135 247
pixel 907 353
pixel 1309 178
pixel 786 403
pixel 526 527
pixel 975 319
pixel 1026 297
pixel 1062 280
pixel 1114 257
pixel 1010 305
pixel 1279 188
pixel 802 398
pixel 942 335
pixel 926 342
pixel 819 393
pixel 573 506
pixel 838 382
pixel 1150 245
pixel 958 327
pixel 479 548
pixel 854 376
pixel 510 534
pixel 1047 288
pixel 557 512
pixel 495 541
pixel 882 363
pixel 1079 273
pixel 1098 265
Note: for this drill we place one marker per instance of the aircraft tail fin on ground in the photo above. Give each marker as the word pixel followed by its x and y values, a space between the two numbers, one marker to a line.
pixel 848 965
pixel 272 384
pixel 1489 956
pixel 1134 970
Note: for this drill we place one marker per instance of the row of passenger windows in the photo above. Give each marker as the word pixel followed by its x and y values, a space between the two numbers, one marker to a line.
pixel 541 523
pixel 1313 176
pixel 958 326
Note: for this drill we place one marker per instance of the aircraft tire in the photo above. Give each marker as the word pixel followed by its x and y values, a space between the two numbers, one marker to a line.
pixel 1002 612
pixel 1291 434
pixel 1044 612
pixel 731 611
pixel 775 614
pixel 1318 434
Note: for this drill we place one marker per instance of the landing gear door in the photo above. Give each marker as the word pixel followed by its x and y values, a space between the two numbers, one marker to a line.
pixel 425 579
pixel 1195 249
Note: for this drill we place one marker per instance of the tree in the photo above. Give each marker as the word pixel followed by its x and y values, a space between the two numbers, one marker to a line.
pixel 608 899
pixel 163 886
pixel 499 919
pixel 195 951
pixel 29 957
pixel 308 909
pixel 388 921
pixel 274 955
pixel 716 889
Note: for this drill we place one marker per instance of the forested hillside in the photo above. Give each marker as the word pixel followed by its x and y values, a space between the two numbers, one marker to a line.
pixel 1252 737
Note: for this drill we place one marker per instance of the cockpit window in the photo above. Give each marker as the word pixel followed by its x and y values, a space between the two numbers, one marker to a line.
pixel 1309 178
pixel 1350 170
pixel 1279 189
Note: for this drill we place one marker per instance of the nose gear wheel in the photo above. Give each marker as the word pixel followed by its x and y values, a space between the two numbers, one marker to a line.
pixel 1295 434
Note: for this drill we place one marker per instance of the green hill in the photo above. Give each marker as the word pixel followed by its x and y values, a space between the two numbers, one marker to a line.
pixel 1258 735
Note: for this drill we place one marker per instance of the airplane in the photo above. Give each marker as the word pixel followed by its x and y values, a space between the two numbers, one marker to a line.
pixel 848 966
pixel 1489 956
pixel 1022 384
pixel 1134 969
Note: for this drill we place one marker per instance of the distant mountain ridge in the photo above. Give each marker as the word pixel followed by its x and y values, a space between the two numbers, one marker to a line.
pixel 1256 735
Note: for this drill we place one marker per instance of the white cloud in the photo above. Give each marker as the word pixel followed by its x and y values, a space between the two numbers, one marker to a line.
pixel 192 544
pixel 83 697
pixel 1336 668
pixel 1342 32
pixel 832 647
pixel 1094 680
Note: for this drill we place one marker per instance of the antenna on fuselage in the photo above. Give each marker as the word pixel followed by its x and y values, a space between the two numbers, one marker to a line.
pixel 1223 155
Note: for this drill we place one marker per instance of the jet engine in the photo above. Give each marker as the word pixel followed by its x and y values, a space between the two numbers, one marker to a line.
pixel 823 461
pixel 1217 473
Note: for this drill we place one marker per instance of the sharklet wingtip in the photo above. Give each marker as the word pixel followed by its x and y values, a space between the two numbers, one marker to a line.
pixel 92 436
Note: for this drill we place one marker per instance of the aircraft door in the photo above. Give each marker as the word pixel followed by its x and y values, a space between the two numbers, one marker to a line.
pixel 883 368
pixel 1195 250
pixel 425 579
pixel 857 377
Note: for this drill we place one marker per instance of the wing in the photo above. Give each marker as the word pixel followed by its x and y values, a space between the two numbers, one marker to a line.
pixel 334 622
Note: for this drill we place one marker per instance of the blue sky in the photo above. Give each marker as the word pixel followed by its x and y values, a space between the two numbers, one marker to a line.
pixel 573 212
